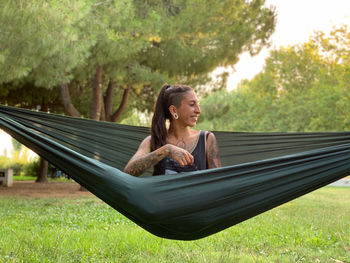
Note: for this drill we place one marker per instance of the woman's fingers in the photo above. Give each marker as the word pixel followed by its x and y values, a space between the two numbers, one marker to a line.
pixel 181 163
pixel 187 159
pixel 182 156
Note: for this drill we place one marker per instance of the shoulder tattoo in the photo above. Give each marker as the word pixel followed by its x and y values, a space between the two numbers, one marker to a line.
pixel 214 158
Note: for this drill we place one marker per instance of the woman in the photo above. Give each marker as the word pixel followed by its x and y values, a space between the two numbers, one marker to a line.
pixel 180 148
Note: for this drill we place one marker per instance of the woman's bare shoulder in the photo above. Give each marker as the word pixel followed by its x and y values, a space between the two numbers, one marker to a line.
pixel 145 145
pixel 147 139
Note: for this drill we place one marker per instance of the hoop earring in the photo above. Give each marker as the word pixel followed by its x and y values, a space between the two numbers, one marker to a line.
pixel 176 116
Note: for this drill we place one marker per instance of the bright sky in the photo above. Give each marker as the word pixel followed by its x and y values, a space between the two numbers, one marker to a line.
pixel 5 142
pixel 296 22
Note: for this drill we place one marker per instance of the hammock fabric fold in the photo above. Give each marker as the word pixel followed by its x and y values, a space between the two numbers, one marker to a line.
pixel 260 172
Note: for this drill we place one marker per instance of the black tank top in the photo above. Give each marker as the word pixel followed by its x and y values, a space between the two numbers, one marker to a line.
pixel 169 166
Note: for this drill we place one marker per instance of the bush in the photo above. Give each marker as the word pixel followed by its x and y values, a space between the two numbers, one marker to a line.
pixel 31 168
pixel 17 168
pixel 6 163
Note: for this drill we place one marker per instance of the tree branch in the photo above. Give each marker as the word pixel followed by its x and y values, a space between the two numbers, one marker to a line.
pixel 116 116
pixel 68 106
pixel 108 100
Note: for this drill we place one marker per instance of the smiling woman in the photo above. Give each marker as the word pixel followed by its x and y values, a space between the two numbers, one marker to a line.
pixel 179 148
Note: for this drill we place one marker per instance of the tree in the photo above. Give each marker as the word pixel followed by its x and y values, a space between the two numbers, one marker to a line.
pixel 302 88
pixel 41 40
pixel 129 45
pixel 38 44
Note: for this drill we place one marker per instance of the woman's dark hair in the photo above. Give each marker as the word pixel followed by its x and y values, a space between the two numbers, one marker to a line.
pixel 169 95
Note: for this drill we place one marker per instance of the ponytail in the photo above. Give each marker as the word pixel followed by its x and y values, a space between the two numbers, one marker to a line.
pixel 169 95
pixel 158 128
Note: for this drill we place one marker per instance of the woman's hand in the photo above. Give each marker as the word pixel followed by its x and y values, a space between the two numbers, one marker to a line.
pixel 182 156
pixel 144 159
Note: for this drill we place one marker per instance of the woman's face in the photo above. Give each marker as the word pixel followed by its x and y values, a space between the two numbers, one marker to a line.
pixel 189 109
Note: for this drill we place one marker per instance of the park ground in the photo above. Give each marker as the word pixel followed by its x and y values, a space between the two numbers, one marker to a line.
pixel 57 222
pixel 49 189
pixel 68 189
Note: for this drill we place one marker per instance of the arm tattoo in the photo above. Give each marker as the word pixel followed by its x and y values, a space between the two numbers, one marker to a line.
pixel 214 158
pixel 143 163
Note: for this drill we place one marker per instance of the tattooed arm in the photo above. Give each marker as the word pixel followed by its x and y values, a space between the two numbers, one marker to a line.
pixel 213 158
pixel 144 159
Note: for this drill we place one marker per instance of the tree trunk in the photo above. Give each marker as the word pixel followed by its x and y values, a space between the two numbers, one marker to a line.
pixel 42 173
pixel 118 113
pixel 97 107
pixel 108 100
pixel 103 112
pixel 67 103
pixel 96 104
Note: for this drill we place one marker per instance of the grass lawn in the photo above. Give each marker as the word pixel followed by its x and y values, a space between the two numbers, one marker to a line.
pixel 313 228
pixel 31 178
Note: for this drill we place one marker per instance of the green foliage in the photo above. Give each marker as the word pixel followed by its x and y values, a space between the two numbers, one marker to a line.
pixel 17 146
pixel 141 44
pixel 213 108
pixel 6 163
pixel 19 160
pixel 26 95
pixel 138 119
pixel 41 43
pixel 31 168
pixel 41 40
pixel 302 88
pixel 313 228
pixel 20 167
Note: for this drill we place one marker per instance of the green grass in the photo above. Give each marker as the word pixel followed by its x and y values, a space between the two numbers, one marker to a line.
pixel 31 178
pixel 313 228
pixel 23 178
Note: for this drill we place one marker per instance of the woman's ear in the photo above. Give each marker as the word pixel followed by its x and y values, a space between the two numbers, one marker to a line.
pixel 172 110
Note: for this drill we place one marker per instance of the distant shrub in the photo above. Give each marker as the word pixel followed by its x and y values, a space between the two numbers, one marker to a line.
pixel 6 162
pixel 31 168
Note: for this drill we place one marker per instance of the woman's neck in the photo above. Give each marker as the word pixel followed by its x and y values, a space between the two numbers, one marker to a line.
pixel 179 132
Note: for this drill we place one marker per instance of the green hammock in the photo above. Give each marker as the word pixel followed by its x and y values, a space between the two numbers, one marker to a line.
pixel 260 172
